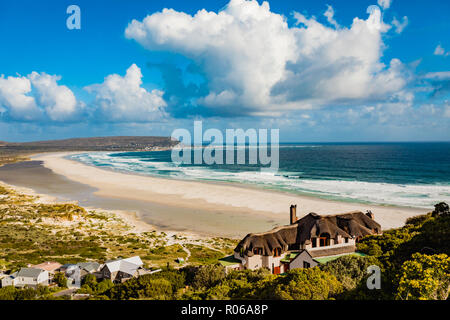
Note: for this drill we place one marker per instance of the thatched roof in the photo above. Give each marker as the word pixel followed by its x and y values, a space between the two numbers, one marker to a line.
pixel 347 225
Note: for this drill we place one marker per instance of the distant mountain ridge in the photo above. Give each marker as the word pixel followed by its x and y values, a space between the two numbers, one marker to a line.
pixel 125 143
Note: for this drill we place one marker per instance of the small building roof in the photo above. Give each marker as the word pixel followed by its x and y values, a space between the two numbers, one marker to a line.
pixel 48 266
pixel 89 266
pixel 135 260
pixel 327 259
pixel 298 255
pixel 289 257
pixel 128 265
pixel 30 272
pixel 229 261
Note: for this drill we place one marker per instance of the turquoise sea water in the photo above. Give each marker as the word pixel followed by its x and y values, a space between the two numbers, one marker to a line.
pixel 404 174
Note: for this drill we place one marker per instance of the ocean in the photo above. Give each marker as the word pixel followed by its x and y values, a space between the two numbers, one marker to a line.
pixel 401 174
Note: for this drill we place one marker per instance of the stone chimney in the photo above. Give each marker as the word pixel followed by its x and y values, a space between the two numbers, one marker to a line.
pixel 293 211
pixel 370 214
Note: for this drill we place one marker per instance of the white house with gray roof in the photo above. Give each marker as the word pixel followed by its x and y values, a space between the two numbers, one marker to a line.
pixel 123 269
pixel 27 277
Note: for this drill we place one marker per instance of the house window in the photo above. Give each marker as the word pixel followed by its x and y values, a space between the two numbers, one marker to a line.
pixel 306 265
pixel 258 251
pixel 314 242
pixel 324 240
pixel 346 240
pixel 277 252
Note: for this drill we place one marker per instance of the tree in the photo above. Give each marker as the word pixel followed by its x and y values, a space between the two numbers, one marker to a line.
pixel 60 279
pixel 425 277
pixel 103 286
pixel 90 281
pixel 208 276
pixel 441 209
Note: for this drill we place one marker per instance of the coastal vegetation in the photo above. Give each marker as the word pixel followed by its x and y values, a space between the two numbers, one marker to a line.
pixel 211 282
pixel 32 231
pixel 40 293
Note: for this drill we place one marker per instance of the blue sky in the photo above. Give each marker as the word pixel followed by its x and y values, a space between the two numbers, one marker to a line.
pixel 318 70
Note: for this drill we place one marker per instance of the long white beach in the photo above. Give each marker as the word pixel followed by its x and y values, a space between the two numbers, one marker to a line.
pixel 229 199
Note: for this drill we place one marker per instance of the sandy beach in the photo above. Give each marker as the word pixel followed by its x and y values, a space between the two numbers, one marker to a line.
pixel 211 208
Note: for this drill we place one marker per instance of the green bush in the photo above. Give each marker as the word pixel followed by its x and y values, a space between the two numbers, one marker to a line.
pixel 425 277
pixel 208 276
pixel 350 270
pixel 304 284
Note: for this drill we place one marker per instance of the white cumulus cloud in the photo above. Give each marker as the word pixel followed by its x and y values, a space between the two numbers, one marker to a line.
pixel 14 97
pixel 37 97
pixel 59 101
pixel 255 63
pixel 243 49
pixel 123 99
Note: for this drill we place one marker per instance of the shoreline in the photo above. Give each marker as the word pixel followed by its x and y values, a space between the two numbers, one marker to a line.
pixel 233 201
pixel 245 186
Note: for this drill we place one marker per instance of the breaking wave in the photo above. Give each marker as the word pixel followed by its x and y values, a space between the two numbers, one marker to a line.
pixel 423 195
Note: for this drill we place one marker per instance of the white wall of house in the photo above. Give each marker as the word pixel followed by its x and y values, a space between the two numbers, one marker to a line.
pixel 254 262
pixel 259 261
pixel 42 279
pixel 299 260
pixel 271 262
pixel 8 281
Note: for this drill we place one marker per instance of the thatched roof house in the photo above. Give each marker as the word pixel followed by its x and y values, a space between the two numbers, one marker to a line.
pixel 299 233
